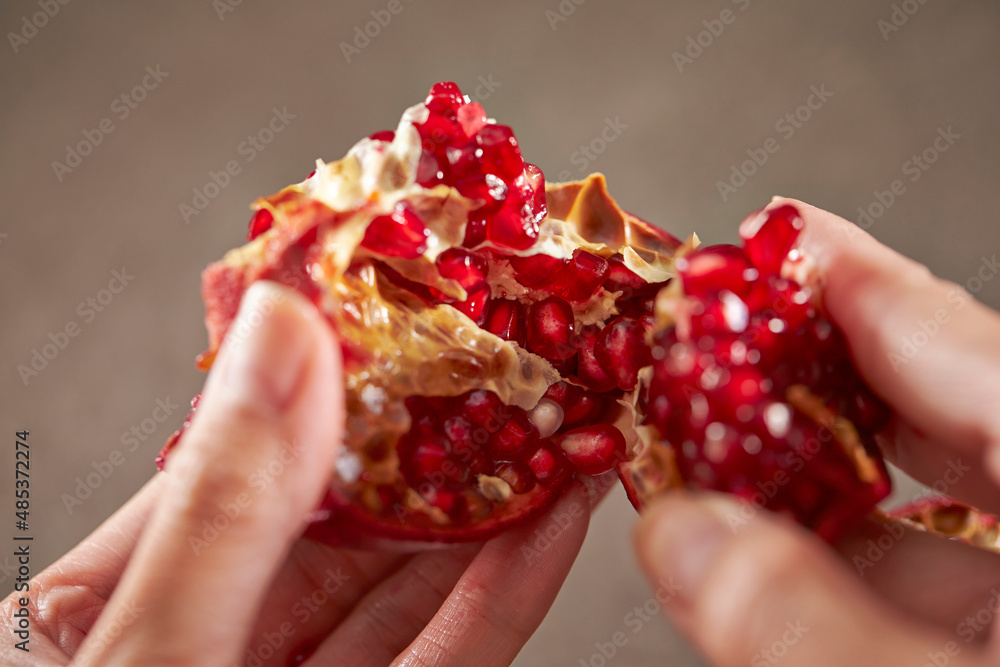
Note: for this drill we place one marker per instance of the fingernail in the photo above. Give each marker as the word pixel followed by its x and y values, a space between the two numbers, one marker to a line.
pixel 679 539
pixel 266 349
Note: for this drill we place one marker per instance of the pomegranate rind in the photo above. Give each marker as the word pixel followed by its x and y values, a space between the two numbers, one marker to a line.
pixel 950 519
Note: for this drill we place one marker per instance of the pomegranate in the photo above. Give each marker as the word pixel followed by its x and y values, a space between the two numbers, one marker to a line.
pixel 501 335
pixel 492 326
pixel 952 519
pixel 751 390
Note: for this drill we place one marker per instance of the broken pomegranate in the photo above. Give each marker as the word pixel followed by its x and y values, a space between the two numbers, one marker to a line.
pixel 488 353
pixel 501 335
pixel 752 391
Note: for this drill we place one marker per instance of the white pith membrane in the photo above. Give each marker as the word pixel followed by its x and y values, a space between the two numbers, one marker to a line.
pixel 411 348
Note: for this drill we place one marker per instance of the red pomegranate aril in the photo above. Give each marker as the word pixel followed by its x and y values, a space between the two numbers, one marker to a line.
pixel 475 306
pixel 514 438
pixel 551 326
pixel 589 370
pixel 768 246
pixel 260 222
pixel 707 270
pixel 587 409
pixel 475 232
pixel 460 265
pixel 501 154
pixel 517 475
pixel 563 393
pixel 471 117
pixel 535 271
pixel 485 409
pixel 545 465
pixel 463 163
pixel 401 234
pixel 444 99
pixel 581 277
pixel 505 318
pixel 512 226
pixel 438 133
pixel 594 449
pixel 621 350
pixel 382 135
pixel 622 279
pixel 421 459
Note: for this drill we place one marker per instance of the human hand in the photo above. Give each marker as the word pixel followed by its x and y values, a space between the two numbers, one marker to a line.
pixel 151 586
pixel 768 591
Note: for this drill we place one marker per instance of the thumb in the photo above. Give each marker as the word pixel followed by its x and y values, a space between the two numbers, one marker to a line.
pixel 751 588
pixel 256 459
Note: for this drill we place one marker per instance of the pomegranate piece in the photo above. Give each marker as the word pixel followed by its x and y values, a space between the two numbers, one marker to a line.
pixel 752 389
pixel 458 329
pixel 621 350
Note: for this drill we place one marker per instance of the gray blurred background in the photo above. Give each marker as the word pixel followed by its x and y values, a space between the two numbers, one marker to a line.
pixel 559 73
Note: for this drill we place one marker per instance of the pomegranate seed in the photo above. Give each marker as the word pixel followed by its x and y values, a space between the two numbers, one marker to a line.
pixel 512 226
pixel 439 132
pixel 501 155
pixel 581 277
pixel 472 118
pixel 514 438
pixel 463 163
pixel 484 409
pixel 260 222
pixel 563 393
pixel 589 370
pixel 475 306
pixel 544 465
pixel 381 135
pixel 506 319
pixel 444 99
pixel 468 269
pixel 621 350
pixel 593 449
pixel 768 246
pixel 535 271
pixel 708 270
pixel 622 279
pixel 551 329
pixel 587 409
pixel 400 234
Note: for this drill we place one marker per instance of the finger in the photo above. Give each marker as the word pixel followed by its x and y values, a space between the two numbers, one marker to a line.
pixel 943 582
pixel 922 343
pixel 254 462
pixel 753 591
pixel 69 595
pixel 506 591
pixel 315 590
pixel 394 612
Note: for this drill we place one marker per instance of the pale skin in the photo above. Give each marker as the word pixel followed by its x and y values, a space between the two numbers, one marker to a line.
pixel 138 591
